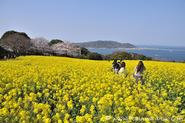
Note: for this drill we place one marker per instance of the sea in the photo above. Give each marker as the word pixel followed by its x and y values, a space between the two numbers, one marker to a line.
pixel 164 53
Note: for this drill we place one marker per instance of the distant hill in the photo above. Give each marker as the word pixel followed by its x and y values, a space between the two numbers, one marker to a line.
pixel 104 44
pixel 19 42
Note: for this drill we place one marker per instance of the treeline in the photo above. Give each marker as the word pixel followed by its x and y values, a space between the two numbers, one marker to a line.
pixel 13 44
pixel 126 55
pixel 116 55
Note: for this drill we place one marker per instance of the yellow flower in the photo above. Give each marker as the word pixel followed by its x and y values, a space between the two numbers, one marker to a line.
pixel 52 89
pixel 35 110
pixel 66 116
pixel 4 111
pixel 66 98
pixel 59 121
pixel 70 104
pixel 80 119
pixel 22 113
pixel 47 120
pixel 82 110
pixel 92 109
pixel 105 118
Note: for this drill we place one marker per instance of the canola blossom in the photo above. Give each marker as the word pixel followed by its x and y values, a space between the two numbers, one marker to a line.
pixel 68 90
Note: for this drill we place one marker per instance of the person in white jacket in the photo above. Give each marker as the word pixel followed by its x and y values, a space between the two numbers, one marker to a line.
pixel 123 70
pixel 138 72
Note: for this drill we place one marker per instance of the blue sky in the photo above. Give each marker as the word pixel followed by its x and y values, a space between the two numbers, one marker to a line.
pixel 143 22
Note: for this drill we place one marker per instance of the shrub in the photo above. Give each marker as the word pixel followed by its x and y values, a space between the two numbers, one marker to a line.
pixel 95 56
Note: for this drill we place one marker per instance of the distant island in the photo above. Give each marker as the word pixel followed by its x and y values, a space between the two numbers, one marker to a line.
pixel 104 44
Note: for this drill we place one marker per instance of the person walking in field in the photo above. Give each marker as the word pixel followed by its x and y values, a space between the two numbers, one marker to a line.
pixel 138 72
pixel 122 70
pixel 115 66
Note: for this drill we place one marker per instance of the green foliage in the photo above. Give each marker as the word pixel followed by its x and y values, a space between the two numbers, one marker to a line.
pixel 86 54
pixel 125 55
pixel 55 41
pixel 84 51
pixel 95 56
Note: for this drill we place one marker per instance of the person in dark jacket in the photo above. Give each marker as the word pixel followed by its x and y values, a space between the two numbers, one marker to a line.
pixel 116 66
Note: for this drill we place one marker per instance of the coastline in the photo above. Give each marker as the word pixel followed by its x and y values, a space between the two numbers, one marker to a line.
pixel 157 53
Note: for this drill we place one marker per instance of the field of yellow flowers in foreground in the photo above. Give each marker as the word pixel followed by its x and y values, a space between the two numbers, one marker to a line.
pixel 59 89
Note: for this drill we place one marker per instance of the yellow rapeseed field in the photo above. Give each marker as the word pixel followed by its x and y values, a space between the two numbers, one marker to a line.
pixel 66 90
